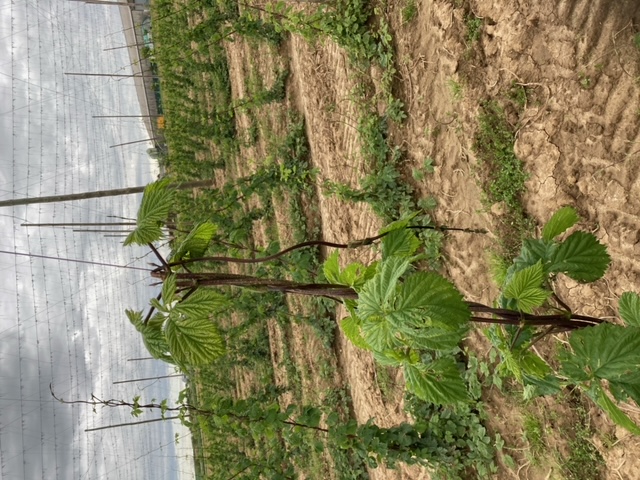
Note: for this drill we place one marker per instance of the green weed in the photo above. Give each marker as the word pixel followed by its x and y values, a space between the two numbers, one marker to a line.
pixel 533 434
pixel 383 187
pixel 455 88
pixel 409 11
pixel 584 462
pixel 502 176
pixel 518 95
pixel 585 81
pixel 474 28
pixel 464 444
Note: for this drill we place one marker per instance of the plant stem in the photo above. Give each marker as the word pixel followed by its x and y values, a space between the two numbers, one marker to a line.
pixel 320 243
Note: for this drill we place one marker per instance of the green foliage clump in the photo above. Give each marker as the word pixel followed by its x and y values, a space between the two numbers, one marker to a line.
pixel 474 28
pixel 494 146
pixel 463 443
pixel 382 188
pixel 409 11
pixel 412 320
pixel 503 176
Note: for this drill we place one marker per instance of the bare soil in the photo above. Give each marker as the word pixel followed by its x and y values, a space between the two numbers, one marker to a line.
pixel 578 136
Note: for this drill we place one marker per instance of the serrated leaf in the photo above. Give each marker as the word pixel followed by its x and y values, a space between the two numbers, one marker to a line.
pixel 606 351
pixel 378 293
pixel 201 304
pixel 581 257
pixel 402 243
pixel 510 363
pixel 169 286
pixel 427 299
pixel 533 251
pixel 135 317
pixel 157 305
pixel 379 333
pixel 332 419
pixel 389 358
pixel 195 243
pixel 331 268
pixel 194 341
pixel 351 328
pixel 549 385
pixel 533 365
pixel 525 287
pixel 529 277
pixel 629 307
pixel 157 320
pixel 156 204
pixel 152 335
pixel 434 338
pixel 355 275
pixel 560 222
pixel 156 344
pixel 618 416
pixel 399 224
pixel 439 382
pixel 625 390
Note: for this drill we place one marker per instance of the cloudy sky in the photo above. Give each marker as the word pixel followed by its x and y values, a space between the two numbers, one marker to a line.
pixel 63 323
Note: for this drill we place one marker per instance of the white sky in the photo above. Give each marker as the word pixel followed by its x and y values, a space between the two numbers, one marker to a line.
pixel 63 323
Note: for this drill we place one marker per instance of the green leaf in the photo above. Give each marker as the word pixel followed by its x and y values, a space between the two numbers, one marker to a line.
pixel 332 419
pixel 511 363
pixel 351 328
pixel 549 385
pixel 201 304
pixel 310 416
pixel 533 251
pixel 606 351
pixel 434 338
pixel 379 333
pixel 629 307
pixel 156 204
pixel 152 335
pixel 194 341
pixel 195 243
pixel 581 257
pixel 135 317
pixel 534 366
pixel 157 305
pixel 439 382
pixel 402 243
pixel 525 287
pixel 378 293
pixel 354 275
pixel 392 358
pixel 399 224
pixel 169 287
pixel 622 391
pixel 331 268
pixel 560 222
pixel 427 299
pixel 618 416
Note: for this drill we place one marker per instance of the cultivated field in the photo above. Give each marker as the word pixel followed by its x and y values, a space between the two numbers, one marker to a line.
pixel 480 114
